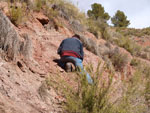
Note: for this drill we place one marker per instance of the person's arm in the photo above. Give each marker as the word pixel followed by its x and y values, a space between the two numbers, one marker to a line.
pixel 60 47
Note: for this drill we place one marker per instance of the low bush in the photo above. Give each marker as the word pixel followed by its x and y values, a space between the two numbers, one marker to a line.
pixel 99 96
pixel 39 4
pixel 97 27
pixel 93 28
pixel 69 12
pixel 119 60
pixel 85 98
pixel 146 31
pixel 90 98
pixel 129 45
pixel 134 62
pixel 17 14
pixel 134 32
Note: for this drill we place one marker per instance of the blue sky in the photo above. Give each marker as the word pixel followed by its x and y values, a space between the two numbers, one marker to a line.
pixel 137 11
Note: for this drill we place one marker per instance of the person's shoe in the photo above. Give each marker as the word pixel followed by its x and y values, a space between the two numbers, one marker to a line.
pixel 68 67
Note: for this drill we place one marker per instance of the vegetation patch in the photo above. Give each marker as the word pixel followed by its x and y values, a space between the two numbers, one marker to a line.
pixel 119 60
pixel 134 62
pixel 18 14
pixel 97 97
pixel 134 32
pixel 129 45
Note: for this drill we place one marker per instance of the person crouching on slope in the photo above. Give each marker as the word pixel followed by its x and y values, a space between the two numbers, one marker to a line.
pixel 71 50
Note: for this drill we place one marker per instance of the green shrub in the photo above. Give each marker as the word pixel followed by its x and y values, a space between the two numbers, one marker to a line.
pixel 93 28
pixel 39 4
pixel 107 36
pixel 134 62
pixel 51 13
pixel 85 98
pixel 99 97
pixel 119 60
pixel 146 31
pixel 89 98
pixel 96 98
pixel 97 27
pixel 68 11
pixel 17 14
pixel 129 45
pixel 133 31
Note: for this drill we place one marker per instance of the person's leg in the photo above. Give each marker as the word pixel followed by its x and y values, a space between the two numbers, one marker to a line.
pixel 79 65
pixel 68 63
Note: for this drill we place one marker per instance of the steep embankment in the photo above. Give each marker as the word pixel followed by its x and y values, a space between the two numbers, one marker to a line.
pixel 28 55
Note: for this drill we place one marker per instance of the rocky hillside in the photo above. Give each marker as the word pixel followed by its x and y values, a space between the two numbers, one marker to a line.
pixel 28 59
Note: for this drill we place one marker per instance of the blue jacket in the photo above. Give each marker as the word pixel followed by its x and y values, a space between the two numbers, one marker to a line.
pixel 73 45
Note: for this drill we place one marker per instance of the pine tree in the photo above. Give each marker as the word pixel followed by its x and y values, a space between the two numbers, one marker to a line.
pixel 98 12
pixel 120 20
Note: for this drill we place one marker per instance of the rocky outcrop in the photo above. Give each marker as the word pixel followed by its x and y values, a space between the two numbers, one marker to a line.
pixel 10 42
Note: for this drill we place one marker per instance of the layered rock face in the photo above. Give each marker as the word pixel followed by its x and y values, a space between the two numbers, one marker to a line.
pixel 19 82
pixel 10 41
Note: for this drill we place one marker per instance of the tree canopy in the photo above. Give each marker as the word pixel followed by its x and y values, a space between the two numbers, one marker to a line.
pixel 98 12
pixel 120 19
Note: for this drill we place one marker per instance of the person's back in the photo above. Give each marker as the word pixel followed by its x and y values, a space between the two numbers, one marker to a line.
pixel 71 47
